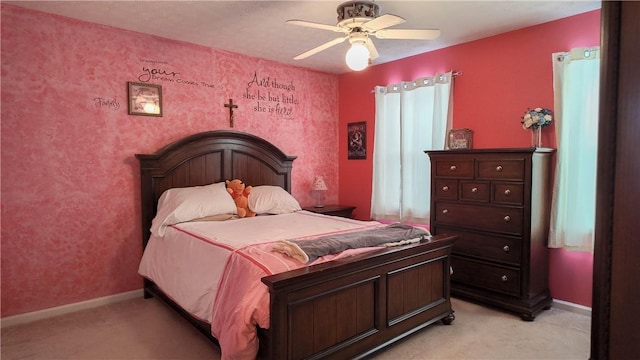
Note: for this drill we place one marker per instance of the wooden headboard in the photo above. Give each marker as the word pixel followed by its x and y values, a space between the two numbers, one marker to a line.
pixel 207 158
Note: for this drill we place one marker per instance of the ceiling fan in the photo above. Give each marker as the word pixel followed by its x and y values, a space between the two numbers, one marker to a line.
pixel 359 20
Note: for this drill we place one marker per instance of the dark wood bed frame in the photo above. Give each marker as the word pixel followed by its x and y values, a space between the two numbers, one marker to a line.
pixel 346 308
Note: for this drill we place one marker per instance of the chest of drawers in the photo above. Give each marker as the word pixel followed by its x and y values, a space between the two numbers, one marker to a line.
pixel 497 201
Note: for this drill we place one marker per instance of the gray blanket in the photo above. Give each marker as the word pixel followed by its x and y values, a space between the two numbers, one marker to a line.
pixel 391 235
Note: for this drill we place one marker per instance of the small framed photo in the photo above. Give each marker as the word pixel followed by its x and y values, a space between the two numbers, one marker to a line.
pixel 460 139
pixel 145 99
pixel 357 140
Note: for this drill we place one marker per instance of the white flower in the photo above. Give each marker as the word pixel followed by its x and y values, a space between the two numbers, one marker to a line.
pixel 536 118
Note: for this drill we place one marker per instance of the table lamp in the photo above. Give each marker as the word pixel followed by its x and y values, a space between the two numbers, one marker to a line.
pixel 318 188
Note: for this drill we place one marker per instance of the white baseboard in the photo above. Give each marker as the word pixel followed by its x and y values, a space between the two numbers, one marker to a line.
pixel 69 308
pixel 576 308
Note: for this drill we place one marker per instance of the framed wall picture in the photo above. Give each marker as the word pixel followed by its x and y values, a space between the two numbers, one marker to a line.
pixel 460 139
pixel 145 99
pixel 357 140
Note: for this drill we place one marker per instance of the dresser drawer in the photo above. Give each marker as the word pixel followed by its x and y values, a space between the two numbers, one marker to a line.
pixel 474 191
pixel 486 276
pixel 495 248
pixel 446 189
pixel 462 169
pixel 508 193
pixel 481 217
pixel 508 169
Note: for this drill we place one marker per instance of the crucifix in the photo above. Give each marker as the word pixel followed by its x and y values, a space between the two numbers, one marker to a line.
pixel 231 106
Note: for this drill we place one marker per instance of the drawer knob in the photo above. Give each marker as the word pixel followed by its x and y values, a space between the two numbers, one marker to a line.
pixel 453 168
pixel 506 248
pixel 445 188
pixel 507 192
pixel 499 168
pixel 504 278
pixel 507 218
pixel 474 190
pixel 445 211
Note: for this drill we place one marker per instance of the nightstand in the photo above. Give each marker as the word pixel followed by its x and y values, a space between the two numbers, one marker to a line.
pixel 335 210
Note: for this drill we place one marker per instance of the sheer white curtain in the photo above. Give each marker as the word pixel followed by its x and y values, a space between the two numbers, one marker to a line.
pixel 411 117
pixel 576 97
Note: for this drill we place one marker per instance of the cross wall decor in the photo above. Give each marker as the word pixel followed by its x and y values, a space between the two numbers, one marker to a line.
pixel 231 106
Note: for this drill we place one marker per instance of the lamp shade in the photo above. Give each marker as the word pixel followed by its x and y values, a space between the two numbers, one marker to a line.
pixel 357 57
pixel 318 184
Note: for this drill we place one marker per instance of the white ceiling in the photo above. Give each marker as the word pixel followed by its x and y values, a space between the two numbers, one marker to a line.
pixel 257 28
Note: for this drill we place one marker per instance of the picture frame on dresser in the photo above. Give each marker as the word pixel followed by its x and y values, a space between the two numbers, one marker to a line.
pixel 144 99
pixel 460 139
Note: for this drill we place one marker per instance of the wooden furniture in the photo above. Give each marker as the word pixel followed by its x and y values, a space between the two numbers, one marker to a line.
pixel 335 210
pixel 497 202
pixel 346 308
pixel 616 295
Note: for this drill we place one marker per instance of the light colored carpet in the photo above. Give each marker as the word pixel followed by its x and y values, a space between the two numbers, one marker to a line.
pixel 147 329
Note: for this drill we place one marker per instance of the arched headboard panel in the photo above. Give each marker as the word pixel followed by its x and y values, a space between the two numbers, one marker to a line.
pixel 207 158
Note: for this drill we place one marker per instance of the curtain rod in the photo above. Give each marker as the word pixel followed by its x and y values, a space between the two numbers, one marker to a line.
pixel 453 74
pixel 586 52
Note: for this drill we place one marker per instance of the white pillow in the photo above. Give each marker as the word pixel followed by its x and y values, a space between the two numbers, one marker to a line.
pixel 184 204
pixel 267 199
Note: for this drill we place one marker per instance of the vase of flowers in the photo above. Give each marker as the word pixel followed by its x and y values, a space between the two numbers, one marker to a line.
pixel 535 120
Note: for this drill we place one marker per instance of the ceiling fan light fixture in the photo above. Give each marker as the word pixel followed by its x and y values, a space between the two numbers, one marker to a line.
pixel 354 13
pixel 357 57
pixel 359 21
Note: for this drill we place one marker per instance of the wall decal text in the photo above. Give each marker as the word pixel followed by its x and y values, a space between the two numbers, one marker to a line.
pixel 271 95
pixel 160 71
pixel 112 104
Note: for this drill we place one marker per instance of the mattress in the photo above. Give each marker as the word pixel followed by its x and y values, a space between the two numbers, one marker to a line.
pixel 194 263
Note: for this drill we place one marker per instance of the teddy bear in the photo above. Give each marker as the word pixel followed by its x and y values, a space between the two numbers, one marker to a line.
pixel 239 192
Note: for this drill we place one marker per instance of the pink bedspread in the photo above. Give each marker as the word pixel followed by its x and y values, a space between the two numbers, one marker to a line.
pixel 242 300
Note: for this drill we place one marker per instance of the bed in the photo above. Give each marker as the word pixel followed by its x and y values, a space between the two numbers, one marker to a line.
pixel 349 307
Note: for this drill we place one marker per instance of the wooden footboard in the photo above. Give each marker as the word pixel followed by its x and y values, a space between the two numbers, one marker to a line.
pixel 353 307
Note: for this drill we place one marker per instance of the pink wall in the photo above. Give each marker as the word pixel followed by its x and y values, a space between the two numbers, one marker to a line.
pixel 70 189
pixel 502 76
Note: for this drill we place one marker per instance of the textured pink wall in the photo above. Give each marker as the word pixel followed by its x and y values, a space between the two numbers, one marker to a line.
pixel 70 188
pixel 502 76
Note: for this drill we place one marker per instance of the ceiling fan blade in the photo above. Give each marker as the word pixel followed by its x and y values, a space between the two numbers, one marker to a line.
pixel 411 34
pixel 315 25
pixel 320 48
pixel 383 21
pixel 373 53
